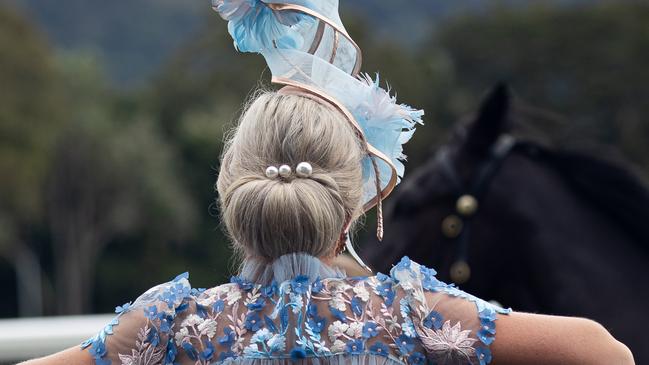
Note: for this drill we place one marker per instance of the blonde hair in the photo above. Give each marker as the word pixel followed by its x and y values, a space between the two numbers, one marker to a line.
pixel 270 217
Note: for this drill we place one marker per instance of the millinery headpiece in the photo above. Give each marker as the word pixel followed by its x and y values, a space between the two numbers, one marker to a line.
pixel 308 49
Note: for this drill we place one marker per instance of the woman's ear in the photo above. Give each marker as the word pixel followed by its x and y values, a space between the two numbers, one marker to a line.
pixel 490 122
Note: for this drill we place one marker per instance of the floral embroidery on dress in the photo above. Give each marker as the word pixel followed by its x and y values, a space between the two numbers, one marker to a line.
pixel 146 351
pixel 398 318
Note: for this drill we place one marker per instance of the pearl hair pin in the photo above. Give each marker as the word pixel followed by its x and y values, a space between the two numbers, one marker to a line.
pixel 272 172
pixel 303 170
pixel 285 171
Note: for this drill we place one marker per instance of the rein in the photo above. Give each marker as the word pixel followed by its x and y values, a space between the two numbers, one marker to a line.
pixel 457 225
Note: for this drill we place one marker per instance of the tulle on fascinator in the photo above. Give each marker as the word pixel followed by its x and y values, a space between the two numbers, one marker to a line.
pixel 307 47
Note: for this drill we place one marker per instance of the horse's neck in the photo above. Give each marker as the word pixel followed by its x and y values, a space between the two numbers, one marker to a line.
pixel 575 245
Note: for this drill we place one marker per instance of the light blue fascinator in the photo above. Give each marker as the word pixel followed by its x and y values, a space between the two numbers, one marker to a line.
pixel 308 49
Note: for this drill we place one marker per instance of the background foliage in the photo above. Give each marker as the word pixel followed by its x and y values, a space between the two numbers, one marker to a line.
pixel 112 116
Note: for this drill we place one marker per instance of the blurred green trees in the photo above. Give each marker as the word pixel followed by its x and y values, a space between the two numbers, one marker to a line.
pixel 106 193
pixel 586 63
pixel 30 116
pixel 78 171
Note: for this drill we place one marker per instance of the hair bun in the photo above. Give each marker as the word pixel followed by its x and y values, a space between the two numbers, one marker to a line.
pixel 267 217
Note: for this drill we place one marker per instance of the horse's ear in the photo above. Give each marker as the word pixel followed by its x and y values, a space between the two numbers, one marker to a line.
pixel 491 120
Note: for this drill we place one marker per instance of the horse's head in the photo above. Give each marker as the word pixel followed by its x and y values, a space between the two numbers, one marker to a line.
pixel 536 227
pixel 432 213
pixel 489 206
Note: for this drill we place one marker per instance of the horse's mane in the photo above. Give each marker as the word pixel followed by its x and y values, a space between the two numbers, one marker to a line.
pixel 610 184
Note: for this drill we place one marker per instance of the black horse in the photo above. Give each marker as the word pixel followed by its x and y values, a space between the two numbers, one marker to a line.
pixel 536 228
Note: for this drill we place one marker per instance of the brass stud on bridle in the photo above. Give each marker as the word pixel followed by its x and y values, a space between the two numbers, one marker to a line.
pixel 460 272
pixel 452 226
pixel 467 205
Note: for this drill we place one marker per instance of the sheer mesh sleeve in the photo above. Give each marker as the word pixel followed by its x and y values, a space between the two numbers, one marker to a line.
pixel 141 332
pixel 453 327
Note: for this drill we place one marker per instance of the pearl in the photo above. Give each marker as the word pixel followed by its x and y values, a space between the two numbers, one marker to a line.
pixel 272 172
pixel 304 169
pixel 285 171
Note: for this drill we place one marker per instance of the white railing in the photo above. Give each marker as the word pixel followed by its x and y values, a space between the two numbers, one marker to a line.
pixel 25 338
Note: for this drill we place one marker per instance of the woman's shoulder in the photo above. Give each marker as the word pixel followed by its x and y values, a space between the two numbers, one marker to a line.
pixel 414 278
pixel 143 325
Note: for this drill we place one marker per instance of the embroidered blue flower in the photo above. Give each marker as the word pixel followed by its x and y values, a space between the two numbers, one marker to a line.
pixel 317 323
pixel 182 276
pixel 123 308
pixel 485 337
pixel 369 330
pixel 151 312
pixel 312 310
pixel 98 349
pixel 404 264
pixel 433 320
pixel 181 290
pixel 153 337
pixel 384 288
pixel 417 358
pixel 382 277
pixel 300 284
pixel 357 306
pixel 208 350
pixel 487 313
pixel 389 299
pixel 298 353
pixel 228 337
pixel 428 280
pixel 483 354
pixel 182 307
pixel 405 345
pixel 253 322
pixel 201 311
pixel 190 350
pixel 488 326
pixel 269 290
pixel 257 305
pixel 317 286
pixel 218 306
pixel 172 351
pixel 379 348
pixel 103 362
pixel 197 291
pixel 338 314
pixel 242 283
pixel 227 355
pixel 354 347
pixel 169 298
pixel 386 292
pixel 166 323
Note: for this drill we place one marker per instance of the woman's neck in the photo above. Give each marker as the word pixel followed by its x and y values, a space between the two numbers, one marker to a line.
pixel 287 267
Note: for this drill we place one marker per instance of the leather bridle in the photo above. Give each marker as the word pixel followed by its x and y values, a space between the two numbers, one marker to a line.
pixel 457 225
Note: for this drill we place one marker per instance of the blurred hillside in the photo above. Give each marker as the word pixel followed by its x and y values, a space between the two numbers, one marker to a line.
pixel 133 38
pixel 107 191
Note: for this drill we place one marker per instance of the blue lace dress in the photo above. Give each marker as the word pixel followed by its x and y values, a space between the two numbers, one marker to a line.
pixel 299 310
